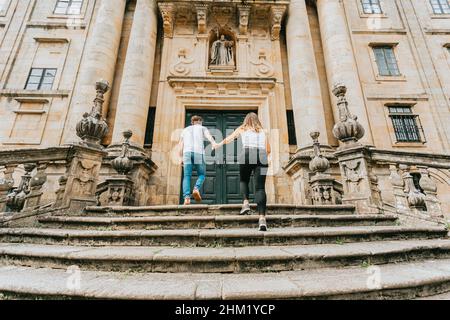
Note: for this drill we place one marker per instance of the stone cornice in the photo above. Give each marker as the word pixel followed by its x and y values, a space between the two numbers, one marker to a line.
pixel 248 2
pixel 221 85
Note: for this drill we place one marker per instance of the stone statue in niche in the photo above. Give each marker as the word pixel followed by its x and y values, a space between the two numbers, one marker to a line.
pixel 222 52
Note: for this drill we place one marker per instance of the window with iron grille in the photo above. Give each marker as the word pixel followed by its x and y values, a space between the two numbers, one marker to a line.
pixel 150 127
pixel 41 79
pixel 68 7
pixel 291 128
pixel 406 124
pixel 371 6
pixel 386 61
pixel 440 6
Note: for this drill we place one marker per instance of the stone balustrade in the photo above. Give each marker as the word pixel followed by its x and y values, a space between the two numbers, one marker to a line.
pixel 374 180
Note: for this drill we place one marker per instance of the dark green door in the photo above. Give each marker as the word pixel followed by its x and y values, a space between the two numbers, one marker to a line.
pixel 222 171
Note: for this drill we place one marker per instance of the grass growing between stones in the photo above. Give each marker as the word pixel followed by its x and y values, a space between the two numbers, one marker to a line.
pixel 366 264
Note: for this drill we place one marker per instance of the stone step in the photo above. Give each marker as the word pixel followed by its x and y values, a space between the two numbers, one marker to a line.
pixel 214 210
pixel 219 237
pixel 213 222
pixel 222 260
pixel 392 281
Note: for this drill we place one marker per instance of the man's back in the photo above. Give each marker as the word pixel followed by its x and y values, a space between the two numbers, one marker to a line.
pixel 193 138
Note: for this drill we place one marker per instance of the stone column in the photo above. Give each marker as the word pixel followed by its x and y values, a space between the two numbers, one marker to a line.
pixel 99 61
pixel 340 60
pixel 136 85
pixel 305 84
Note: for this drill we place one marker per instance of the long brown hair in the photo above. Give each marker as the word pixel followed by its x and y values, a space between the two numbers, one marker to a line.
pixel 251 122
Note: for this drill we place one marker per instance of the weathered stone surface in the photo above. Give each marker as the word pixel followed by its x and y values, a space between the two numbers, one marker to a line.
pixel 397 281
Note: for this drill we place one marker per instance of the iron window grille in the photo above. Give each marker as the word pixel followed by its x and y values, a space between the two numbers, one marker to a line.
pixel 407 126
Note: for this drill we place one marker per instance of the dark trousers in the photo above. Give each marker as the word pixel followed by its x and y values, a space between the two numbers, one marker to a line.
pixel 254 161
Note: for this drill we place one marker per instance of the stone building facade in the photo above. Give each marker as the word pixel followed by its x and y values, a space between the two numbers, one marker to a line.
pixel 286 58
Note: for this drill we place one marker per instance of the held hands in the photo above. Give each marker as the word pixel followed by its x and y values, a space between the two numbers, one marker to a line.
pixel 217 145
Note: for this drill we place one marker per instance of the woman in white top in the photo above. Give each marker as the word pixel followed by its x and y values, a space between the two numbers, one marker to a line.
pixel 253 159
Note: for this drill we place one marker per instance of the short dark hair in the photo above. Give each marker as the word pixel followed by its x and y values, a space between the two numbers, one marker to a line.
pixel 195 119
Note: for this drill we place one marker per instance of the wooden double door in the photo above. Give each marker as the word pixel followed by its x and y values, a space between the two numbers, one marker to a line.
pixel 222 170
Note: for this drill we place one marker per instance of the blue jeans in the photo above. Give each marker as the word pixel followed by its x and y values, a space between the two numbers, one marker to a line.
pixel 193 161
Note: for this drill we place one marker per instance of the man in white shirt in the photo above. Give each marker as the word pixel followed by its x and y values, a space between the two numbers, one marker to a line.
pixel 193 152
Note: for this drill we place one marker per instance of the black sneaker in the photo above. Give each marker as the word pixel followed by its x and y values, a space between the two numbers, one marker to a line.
pixel 245 209
pixel 262 224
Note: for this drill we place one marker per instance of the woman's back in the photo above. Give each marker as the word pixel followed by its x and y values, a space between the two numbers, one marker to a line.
pixel 253 139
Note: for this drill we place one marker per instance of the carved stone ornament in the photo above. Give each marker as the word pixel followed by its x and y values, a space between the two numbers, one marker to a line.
pixel 122 164
pixel 202 17
pixel 348 129
pixel 276 18
pixel 182 66
pixel 84 181
pixel 319 163
pixel 7 182
pixel 93 128
pixel 416 199
pixel 15 201
pixel 263 67
pixel 353 175
pixel 244 16
pixel 167 14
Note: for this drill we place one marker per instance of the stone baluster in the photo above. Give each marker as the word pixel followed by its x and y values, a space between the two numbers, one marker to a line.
pixel 136 84
pixel 416 199
pixel 33 199
pixel 99 60
pixel 398 185
pixel 340 61
pixel 6 184
pixel 15 201
pixel 430 189
pixel 307 102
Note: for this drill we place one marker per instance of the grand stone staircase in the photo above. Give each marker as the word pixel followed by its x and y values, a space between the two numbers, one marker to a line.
pixel 209 252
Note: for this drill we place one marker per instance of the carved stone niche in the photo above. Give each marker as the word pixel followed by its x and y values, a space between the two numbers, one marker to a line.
pixel 225 39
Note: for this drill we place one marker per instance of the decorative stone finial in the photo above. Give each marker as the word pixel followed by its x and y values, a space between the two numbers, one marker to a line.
pixel 122 164
pixel 318 164
pixel 93 128
pixel 348 129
